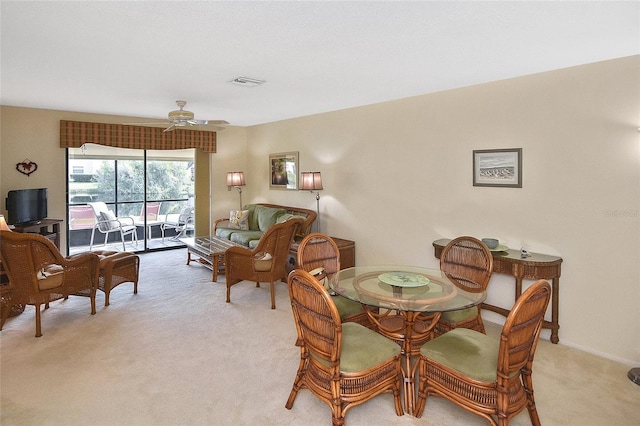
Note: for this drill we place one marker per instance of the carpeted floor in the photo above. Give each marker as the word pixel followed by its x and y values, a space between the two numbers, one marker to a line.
pixel 177 354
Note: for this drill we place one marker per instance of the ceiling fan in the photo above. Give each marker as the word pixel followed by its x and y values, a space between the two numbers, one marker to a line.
pixel 183 118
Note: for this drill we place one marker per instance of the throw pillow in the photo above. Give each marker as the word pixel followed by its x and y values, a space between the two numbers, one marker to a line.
pixel 109 221
pixel 239 219
pixel 262 261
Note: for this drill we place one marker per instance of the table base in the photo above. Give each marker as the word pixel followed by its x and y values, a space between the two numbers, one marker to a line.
pixel 209 252
pixel 406 336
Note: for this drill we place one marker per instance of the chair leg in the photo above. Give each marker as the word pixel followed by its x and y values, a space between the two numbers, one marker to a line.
pixel 106 296
pixel 273 295
pixel 422 390
pixel 531 403
pixel 93 231
pixel 38 326
pixel 298 383
pixel 6 310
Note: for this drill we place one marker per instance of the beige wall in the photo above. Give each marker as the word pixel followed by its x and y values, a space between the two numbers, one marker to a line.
pixel 398 175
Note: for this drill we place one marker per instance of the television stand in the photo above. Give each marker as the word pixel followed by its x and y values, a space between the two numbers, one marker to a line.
pixel 49 228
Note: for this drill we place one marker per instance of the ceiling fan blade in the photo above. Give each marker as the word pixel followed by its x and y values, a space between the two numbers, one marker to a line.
pixel 168 129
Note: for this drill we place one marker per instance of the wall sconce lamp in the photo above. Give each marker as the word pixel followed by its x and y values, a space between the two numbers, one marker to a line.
pixel 3 224
pixel 236 179
pixel 312 181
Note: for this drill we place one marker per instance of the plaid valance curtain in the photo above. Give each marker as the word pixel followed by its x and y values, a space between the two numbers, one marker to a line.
pixel 74 134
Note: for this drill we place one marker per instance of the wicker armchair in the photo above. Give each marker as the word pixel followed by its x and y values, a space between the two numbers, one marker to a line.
pixel 266 262
pixel 318 253
pixel 468 263
pixel 343 364
pixel 39 274
pixel 484 375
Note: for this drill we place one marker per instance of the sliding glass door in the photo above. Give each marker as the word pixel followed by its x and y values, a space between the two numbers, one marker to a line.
pixel 142 197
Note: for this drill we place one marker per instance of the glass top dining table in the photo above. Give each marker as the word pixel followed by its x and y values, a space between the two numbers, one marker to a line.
pixel 404 288
pixel 409 290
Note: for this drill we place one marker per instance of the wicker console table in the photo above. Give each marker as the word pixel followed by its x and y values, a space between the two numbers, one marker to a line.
pixel 537 266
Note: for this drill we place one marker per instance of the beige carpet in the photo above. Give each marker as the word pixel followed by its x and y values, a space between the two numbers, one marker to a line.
pixel 177 354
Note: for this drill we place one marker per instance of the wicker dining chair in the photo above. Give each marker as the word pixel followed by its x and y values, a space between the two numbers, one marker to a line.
pixel 342 364
pixel 319 255
pixel 39 274
pixel 488 376
pixel 468 263
pixel 266 262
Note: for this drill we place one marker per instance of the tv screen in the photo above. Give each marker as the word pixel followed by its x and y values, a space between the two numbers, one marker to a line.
pixel 26 205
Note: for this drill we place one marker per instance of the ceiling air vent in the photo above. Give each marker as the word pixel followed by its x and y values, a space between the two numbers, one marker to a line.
pixel 246 82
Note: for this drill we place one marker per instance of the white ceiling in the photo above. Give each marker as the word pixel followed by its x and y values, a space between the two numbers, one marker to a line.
pixel 137 58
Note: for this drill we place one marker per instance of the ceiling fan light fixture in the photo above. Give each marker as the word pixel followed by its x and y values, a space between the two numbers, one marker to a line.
pixel 247 82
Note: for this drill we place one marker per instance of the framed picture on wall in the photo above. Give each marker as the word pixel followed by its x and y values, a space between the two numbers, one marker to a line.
pixel 498 167
pixel 284 170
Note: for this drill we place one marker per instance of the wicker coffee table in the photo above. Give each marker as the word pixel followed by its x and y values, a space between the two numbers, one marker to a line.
pixel 209 252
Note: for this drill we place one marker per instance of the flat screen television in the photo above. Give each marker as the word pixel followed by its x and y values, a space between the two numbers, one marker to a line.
pixel 26 206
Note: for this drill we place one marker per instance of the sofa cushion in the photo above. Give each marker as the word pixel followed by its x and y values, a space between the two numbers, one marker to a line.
pixel 244 237
pixel 253 219
pixel 267 216
pixel 225 233
pixel 239 219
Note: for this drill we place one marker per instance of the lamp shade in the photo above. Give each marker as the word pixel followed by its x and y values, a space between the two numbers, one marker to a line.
pixel 235 179
pixel 3 224
pixel 311 181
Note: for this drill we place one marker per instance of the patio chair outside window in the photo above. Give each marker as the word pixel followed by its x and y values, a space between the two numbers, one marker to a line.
pixel 107 223
pixel 182 222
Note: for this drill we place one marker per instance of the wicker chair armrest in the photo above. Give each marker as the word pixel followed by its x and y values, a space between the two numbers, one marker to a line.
pixel 221 223
pixel 240 252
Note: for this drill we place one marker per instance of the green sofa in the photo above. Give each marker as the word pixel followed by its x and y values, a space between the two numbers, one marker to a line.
pixel 261 217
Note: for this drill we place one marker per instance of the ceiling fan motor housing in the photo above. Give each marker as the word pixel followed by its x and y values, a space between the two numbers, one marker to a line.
pixel 181 115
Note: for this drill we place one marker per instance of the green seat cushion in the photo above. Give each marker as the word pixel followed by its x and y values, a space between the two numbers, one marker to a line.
pixel 459 315
pixel 266 217
pixel 244 237
pixel 347 307
pixel 471 353
pixel 225 233
pixel 363 348
pixel 253 243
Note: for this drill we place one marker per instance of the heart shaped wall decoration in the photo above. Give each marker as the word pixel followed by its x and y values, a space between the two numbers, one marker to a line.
pixel 26 167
